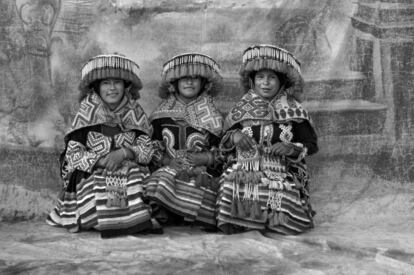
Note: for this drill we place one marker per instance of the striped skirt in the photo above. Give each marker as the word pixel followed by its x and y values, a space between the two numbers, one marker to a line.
pixel 106 202
pixel 285 211
pixel 182 197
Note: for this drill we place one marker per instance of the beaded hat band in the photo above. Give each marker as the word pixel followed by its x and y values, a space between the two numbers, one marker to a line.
pixel 191 65
pixel 274 58
pixel 110 66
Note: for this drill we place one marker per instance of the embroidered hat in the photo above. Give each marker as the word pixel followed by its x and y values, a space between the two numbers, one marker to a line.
pixel 191 64
pixel 271 57
pixel 111 66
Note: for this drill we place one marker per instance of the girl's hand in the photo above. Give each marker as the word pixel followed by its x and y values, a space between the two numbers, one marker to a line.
pixel 282 149
pixel 245 142
pixel 198 159
pixel 114 159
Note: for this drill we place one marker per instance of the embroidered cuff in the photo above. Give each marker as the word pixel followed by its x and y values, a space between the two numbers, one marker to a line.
pixel 299 150
pixel 80 158
pixel 143 149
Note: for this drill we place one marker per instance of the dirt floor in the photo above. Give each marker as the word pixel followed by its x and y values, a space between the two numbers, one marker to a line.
pixel 364 225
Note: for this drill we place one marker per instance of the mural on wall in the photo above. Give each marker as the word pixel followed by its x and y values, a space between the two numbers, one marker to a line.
pixel 44 43
pixel 47 41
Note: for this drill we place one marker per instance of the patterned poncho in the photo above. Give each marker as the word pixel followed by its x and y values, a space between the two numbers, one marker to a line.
pixel 200 113
pixel 129 115
pixel 280 109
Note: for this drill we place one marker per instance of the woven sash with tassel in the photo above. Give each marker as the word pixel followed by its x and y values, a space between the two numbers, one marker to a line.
pixel 116 190
pixel 274 170
pixel 246 179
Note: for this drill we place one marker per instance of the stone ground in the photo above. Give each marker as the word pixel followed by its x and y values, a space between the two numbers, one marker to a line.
pixel 364 225
pixel 35 248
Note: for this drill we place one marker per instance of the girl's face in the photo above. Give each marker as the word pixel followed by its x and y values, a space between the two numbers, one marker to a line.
pixel 111 91
pixel 189 87
pixel 266 83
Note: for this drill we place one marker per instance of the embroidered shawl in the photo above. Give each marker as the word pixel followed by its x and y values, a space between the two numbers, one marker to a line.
pixel 200 113
pixel 251 106
pixel 129 115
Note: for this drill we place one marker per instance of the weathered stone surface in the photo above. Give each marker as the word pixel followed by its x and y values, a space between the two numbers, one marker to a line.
pixel 345 87
pixel 328 250
pixel 29 182
pixel 385 19
pixel 363 224
pixel 347 117
pixel 174 5
pixel 34 168
pixel 402 66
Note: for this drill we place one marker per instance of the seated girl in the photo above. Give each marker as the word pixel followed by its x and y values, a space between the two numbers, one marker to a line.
pixel 107 152
pixel 187 127
pixel 267 136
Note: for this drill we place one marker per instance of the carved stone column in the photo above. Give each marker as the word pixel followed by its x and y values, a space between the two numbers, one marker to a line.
pixel 39 19
pixel 384 45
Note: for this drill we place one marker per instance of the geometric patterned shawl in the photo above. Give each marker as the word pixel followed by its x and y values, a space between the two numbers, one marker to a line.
pixel 280 109
pixel 200 113
pixel 129 115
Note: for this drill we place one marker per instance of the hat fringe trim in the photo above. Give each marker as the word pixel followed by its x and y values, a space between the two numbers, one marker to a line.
pixel 190 59
pixel 112 61
pixel 295 79
pixel 191 70
pixel 270 52
pixel 104 73
pixel 110 66
pixel 184 70
pixel 191 65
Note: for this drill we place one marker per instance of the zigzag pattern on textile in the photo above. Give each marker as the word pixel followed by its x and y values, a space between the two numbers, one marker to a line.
pixel 87 113
pixel 92 111
pixel 99 143
pixel 135 117
pixel 79 157
pixel 143 149
pixel 167 108
pixel 124 139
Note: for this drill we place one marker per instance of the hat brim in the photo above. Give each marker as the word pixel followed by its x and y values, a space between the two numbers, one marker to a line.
pixel 191 70
pixel 104 73
pixel 294 78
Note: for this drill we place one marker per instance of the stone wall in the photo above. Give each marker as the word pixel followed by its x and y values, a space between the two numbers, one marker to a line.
pixel 29 182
